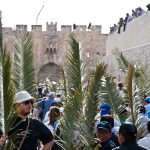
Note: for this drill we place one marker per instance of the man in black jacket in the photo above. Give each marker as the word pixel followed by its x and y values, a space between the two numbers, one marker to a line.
pixel 127 138
pixel 103 134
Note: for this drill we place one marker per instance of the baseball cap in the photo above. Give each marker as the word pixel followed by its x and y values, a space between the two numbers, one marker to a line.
pixel 147 99
pixel 128 130
pixel 22 96
pixel 105 109
pixel 104 125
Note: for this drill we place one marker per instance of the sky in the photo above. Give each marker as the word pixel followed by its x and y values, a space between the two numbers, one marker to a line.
pixel 67 12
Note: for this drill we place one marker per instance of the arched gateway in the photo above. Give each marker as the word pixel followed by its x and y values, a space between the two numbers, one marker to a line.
pixel 51 71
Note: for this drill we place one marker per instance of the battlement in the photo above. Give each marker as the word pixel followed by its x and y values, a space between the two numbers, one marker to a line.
pixel 52 28
pixel 21 28
pixel 66 28
pixel 36 27
pixel 7 30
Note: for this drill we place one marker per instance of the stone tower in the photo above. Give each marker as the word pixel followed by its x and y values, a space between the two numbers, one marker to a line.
pixel 50 46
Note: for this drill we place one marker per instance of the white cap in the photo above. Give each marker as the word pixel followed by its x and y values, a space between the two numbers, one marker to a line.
pixel 51 94
pixel 22 97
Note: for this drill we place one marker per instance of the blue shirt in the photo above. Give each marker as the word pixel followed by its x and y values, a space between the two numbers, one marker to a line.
pixel 45 106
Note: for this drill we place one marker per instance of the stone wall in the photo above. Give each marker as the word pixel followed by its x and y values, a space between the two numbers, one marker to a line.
pixel 139 55
pixel 50 47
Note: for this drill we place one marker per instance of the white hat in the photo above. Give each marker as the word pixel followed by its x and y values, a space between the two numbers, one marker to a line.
pixel 22 97
pixel 51 94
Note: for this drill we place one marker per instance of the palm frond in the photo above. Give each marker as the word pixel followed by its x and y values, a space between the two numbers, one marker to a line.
pixel 8 90
pixel 109 93
pixel 24 72
pixel 122 61
pixel 90 108
pixel 73 102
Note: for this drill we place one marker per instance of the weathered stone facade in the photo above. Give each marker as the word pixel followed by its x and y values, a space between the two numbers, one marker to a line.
pixel 50 46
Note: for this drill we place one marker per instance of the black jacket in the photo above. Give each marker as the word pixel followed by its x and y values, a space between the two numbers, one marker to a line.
pixel 108 145
pixel 130 145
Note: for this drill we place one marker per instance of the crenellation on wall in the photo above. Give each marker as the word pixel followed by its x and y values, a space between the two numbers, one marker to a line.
pixel 7 30
pixel 21 28
pixel 52 28
pixel 66 28
pixel 36 28
pixel 97 28
pixel 81 28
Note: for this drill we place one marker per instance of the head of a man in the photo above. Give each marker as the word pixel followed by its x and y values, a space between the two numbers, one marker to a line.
pixel 127 132
pixel 23 103
pixel 109 119
pixel 141 110
pixel 103 131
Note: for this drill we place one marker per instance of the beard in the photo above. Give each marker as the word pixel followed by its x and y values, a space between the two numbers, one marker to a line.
pixel 23 113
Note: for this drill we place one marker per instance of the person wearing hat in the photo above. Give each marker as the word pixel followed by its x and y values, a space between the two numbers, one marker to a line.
pixel 106 109
pixel 103 134
pixel 30 130
pixel 127 138
pixel 114 131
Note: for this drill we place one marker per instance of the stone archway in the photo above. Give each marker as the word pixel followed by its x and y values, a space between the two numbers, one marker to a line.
pixel 51 71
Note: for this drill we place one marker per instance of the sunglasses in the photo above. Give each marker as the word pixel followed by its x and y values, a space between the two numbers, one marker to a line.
pixel 29 101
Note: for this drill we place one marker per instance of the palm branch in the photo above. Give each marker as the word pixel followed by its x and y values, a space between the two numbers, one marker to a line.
pixel 8 116
pixel 73 101
pixel 109 93
pixel 122 61
pixel 24 72
pixel 90 107
pixel 123 65
pixel 7 90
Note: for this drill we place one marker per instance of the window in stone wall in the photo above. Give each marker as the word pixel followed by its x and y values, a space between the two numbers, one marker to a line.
pixel 51 51
pixel 55 51
pixel 47 50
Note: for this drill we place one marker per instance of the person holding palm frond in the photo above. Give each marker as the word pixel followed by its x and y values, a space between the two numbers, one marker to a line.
pixel 28 130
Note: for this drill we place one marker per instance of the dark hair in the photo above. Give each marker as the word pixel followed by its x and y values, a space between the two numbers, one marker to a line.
pixel 55 109
pixel 148 126
pixel 109 119
pixel 128 130
pixel 141 109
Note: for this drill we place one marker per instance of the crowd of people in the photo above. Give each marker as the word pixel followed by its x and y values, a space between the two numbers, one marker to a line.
pixel 122 23
pixel 39 124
